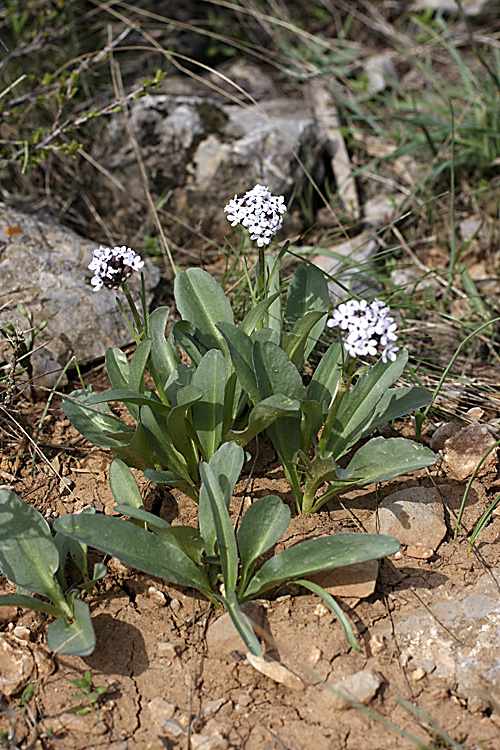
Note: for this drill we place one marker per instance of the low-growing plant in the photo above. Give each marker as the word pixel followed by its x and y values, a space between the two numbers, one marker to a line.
pixel 90 694
pixel 34 560
pixel 221 563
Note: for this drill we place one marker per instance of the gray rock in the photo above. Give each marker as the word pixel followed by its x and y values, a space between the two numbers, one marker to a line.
pixel 172 728
pixel 45 268
pixel 463 452
pixel 460 636
pixel 360 688
pixel 380 71
pixel 222 636
pixel 415 516
pixel 441 435
pixel 470 7
pixel 16 667
pixel 200 149
pixel 276 671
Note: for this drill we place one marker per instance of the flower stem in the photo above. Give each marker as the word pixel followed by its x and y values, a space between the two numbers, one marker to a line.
pixel 135 313
pixel 262 271
pixel 342 389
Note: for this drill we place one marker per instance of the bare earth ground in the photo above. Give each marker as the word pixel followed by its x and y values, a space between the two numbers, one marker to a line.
pixel 152 652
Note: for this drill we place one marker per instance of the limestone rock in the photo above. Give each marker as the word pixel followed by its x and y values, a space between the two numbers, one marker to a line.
pixel 415 516
pixel 45 268
pixel 222 636
pixel 160 711
pixel 460 636
pixel 275 671
pixel 360 688
pixel 441 435
pixel 463 452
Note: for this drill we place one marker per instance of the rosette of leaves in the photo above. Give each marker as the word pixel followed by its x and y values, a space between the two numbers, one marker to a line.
pixel 195 407
pixel 215 553
pixel 34 560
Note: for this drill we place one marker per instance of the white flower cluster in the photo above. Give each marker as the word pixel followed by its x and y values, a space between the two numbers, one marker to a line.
pixel 259 212
pixel 369 328
pixel 112 266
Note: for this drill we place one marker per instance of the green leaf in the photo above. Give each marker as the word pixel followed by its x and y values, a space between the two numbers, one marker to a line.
pixel 381 459
pixel 226 465
pixel 208 413
pixel 323 383
pixel 28 554
pixel 135 547
pixel 308 291
pixel 179 378
pixel 201 301
pixel 95 424
pixel 179 426
pixel 256 314
pixel 312 421
pixel 128 397
pixel 123 485
pixel 141 514
pixel 117 368
pixel 262 416
pixel 159 437
pixel 184 333
pixel 240 350
pixel 29 602
pixel 273 317
pixel 395 403
pixel 314 555
pixel 138 364
pixel 163 351
pixel 336 609
pixel 263 524
pixel 358 407
pixel 76 638
pixel 138 452
pixel 240 623
pixel 275 373
pixel 300 341
pixel 226 539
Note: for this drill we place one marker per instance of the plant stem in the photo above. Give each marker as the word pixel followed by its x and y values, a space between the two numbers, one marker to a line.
pixel 262 270
pixel 135 313
pixel 342 389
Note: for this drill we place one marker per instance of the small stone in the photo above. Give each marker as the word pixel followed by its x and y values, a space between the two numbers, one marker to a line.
pixel 168 650
pixel 222 636
pixel 212 707
pixel 160 711
pixel 22 632
pixel 359 688
pixel 175 604
pixel 398 555
pixel 419 552
pixel 244 700
pixel 357 581
pixel 321 610
pixel 425 664
pixel 158 597
pixel 73 723
pixel 275 671
pixel 418 674
pixel 201 742
pixel 477 705
pixel 415 516
pixel 441 435
pixel 376 644
pixel 315 655
pixel 16 667
pixel 381 72
pixel 173 729
pixel 463 452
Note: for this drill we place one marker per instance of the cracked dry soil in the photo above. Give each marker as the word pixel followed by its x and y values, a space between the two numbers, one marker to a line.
pixel 166 689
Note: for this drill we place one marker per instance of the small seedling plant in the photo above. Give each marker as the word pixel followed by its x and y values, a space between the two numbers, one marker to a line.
pixel 223 564
pixel 90 695
pixel 34 560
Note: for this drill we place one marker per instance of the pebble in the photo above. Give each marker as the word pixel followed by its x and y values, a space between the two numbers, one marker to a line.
pixel 160 710
pixel 463 452
pixel 75 724
pixel 222 636
pixel 360 688
pixel 441 435
pixel 357 581
pixel 158 597
pixel 419 552
pixel 414 515
pixel 275 671
pixel 22 632
pixel 173 729
pixel 418 674
pixel 16 667
pixel 201 742
pixel 376 644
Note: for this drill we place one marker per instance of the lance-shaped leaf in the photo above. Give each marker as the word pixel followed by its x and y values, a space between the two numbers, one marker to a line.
pixel 263 415
pixel 263 524
pixel 160 438
pixel 141 514
pixel 314 555
pixel 135 547
pixel 184 333
pixel 381 459
pixel 241 623
pixel 256 314
pixel 179 426
pixel 138 452
pixel 274 371
pixel 308 292
pixel 28 554
pixel 226 539
pixel 128 397
pixel 76 637
pixel 312 421
pixel 395 403
pixel 163 351
pixel 240 350
pixel 29 602
pixel 123 485
pixel 201 301
pixel 226 465
pixel 208 413
pixel 323 383
pixel 96 424
pixel 137 366
pixel 300 341
pixel 179 378
pixel 357 409
pixel 117 368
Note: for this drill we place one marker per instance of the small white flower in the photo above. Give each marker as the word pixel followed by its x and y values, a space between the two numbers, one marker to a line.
pixel 113 265
pixel 368 329
pixel 259 212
